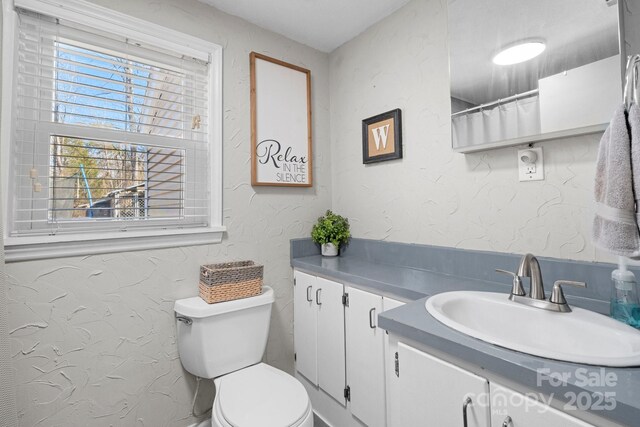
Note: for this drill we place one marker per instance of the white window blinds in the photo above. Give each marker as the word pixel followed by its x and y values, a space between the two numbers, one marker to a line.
pixel 109 134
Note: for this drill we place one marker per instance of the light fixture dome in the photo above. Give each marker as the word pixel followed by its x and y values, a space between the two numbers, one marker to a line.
pixel 520 52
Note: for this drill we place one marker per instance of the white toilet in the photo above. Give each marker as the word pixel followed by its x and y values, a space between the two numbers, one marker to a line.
pixel 226 341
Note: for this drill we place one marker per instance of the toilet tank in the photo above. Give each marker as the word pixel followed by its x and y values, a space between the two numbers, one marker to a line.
pixel 215 339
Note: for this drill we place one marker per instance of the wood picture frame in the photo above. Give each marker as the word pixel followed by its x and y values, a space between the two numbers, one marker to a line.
pixel 281 146
pixel 382 137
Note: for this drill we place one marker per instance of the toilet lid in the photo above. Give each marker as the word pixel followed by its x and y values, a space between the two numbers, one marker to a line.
pixel 262 395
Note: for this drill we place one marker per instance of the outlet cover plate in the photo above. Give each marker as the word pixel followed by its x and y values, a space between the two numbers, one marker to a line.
pixel 531 171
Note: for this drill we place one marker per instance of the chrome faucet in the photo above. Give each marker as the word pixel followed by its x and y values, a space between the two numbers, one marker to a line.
pixel 529 267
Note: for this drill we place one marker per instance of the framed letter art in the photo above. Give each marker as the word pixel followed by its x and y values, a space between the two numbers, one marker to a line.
pixel 280 123
pixel 382 137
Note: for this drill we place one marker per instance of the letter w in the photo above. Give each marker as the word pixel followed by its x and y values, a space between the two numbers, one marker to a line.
pixel 381 134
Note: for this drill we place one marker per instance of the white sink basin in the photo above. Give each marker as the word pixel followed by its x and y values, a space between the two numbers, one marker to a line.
pixel 580 336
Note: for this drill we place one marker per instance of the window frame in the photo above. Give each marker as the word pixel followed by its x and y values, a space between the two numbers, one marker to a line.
pixel 20 248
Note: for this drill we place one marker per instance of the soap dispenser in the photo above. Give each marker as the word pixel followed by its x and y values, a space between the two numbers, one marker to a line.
pixel 625 305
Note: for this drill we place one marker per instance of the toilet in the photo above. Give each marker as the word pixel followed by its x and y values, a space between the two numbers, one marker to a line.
pixel 225 342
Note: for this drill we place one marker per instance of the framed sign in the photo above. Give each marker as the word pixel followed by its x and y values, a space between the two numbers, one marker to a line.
pixel 382 137
pixel 280 123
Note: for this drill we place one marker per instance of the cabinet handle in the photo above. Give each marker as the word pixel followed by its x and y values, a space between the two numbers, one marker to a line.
pixel 507 422
pixel 371 318
pixel 309 299
pixel 465 405
pixel 318 297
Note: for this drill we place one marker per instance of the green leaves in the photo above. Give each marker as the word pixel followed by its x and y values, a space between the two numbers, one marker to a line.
pixel 331 228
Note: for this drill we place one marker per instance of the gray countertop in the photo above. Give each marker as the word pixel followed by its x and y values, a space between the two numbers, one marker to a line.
pixel 401 282
pixel 412 321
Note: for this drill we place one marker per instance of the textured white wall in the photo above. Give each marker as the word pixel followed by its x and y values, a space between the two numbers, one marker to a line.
pixel 93 338
pixel 435 196
pixel 8 413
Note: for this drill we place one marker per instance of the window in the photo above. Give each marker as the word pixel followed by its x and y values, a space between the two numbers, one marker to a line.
pixel 111 131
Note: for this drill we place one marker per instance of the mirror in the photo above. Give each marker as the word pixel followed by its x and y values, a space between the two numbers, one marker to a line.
pixel 571 84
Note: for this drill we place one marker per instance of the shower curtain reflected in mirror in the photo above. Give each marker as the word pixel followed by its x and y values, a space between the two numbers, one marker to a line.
pixel 497 123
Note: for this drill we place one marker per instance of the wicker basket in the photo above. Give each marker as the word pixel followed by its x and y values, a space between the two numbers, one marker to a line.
pixel 230 280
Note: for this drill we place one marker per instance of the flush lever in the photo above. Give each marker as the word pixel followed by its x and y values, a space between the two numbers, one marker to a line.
pixel 184 320
pixel 516 287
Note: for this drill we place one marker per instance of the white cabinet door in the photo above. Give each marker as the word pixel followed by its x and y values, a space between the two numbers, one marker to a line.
pixel 330 350
pixel 513 409
pixel 390 378
pixel 365 357
pixel 304 325
pixel 432 393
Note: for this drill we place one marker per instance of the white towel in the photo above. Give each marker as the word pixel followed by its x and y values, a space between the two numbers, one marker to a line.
pixel 615 227
pixel 633 120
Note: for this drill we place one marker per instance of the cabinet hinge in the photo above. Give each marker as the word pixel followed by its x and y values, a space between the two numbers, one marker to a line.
pixel 294 281
pixel 295 357
pixel 397 363
pixel 347 393
pixel 345 299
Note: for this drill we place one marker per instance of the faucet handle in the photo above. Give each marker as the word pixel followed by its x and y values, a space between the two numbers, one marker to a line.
pixel 557 296
pixel 510 273
pixel 516 288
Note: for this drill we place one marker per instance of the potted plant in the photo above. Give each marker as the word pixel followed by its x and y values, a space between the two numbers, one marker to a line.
pixel 330 232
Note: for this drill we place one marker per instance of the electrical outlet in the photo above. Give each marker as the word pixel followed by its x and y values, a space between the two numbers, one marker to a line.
pixel 530 164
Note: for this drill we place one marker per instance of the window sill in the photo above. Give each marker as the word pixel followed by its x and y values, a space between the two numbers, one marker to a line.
pixel 28 249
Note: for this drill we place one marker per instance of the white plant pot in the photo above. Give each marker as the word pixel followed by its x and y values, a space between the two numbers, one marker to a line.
pixel 329 249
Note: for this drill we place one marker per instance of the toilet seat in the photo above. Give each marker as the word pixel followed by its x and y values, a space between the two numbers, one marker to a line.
pixel 260 395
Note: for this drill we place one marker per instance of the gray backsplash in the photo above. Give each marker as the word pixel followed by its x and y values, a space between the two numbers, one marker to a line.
pixel 470 263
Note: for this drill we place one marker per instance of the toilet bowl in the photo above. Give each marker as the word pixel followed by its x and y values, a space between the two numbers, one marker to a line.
pixel 260 396
pixel 225 342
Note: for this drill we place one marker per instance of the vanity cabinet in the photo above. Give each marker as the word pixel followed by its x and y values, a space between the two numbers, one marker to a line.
pixel 431 392
pixel 305 331
pixel 340 349
pixel 366 355
pixel 428 391
pixel 319 333
pixel 513 409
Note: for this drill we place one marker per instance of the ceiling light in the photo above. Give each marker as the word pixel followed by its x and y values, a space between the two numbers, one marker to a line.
pixel 518 53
